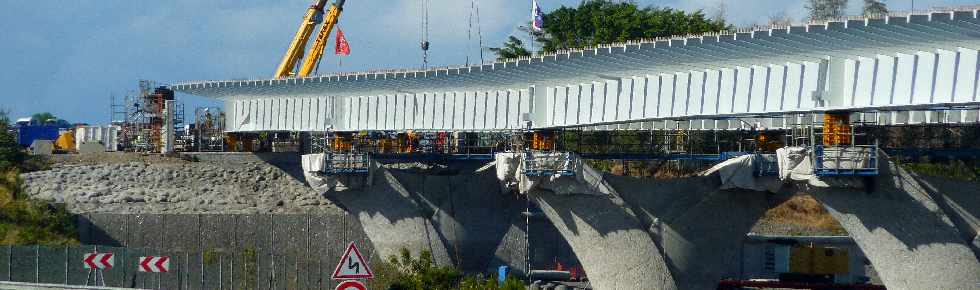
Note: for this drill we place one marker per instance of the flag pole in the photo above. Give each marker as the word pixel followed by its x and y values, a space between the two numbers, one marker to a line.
pixel 530 31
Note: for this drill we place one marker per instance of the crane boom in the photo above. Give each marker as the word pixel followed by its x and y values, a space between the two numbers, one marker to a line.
pixel 320 43
pixel 295 51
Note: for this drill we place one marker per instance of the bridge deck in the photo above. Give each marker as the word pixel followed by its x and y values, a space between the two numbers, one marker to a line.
pixel 898 63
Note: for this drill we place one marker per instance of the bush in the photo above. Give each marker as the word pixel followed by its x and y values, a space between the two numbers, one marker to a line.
pixel 29 222
pixel 421 273
pixel 473 283
pixel 405 272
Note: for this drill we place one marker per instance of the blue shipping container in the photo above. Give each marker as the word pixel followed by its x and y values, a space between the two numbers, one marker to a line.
pixel 27 134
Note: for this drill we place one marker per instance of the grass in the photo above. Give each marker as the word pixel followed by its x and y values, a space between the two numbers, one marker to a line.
pixel 956 169
pixel 805 213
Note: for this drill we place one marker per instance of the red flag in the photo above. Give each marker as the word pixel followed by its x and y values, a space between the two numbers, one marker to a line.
pixel 343 48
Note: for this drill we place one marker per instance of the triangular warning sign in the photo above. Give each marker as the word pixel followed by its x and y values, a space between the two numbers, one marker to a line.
pixel 352 266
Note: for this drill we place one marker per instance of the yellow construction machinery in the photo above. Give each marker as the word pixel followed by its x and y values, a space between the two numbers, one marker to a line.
pixel 297 47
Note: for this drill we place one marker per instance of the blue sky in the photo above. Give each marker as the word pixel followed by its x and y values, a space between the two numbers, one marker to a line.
pixel 67 57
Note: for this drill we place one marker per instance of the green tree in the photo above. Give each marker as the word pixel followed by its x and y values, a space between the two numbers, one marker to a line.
pixel 4 119
pixel 826 9
pixel 873 8
pixel 596 22
pixel 44 118
pixel 513 48
pixel 11 155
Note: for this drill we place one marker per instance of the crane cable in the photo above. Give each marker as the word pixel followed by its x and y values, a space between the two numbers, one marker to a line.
pixel 469 34
pixel 474 9
pixel 425 34
pixel 479 31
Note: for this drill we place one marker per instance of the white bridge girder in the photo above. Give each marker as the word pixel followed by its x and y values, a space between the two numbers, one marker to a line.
pixel 914 62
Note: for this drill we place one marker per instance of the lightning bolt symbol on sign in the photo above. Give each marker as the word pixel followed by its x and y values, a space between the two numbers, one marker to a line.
pixel 352 265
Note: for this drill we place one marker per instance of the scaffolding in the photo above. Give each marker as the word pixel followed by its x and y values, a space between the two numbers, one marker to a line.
pixel 391 143
pixel 844 147
pixel 140 117
pixel 838 144
pixel 207 135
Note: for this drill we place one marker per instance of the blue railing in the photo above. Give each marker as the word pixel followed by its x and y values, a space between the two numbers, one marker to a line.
pixel 820 152
pixel 346 163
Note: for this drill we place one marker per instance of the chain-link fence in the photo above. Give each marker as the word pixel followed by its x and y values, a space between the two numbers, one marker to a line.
pixel 294 251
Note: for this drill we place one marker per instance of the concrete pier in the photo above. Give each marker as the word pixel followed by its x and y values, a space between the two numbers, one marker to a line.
pixel 615 247
pixel 391 217
pixel 615 250
pixel 699 227
pixel 960 200
pixel 910 241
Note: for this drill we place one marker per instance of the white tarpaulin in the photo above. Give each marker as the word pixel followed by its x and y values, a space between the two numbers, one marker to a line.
pixel 507 164
pixel 313 166
pixel 739 172
pixel 314 162
pixel 794 163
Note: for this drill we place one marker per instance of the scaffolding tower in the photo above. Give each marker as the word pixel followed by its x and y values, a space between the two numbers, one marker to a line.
pixel 140 117
pixel 208 132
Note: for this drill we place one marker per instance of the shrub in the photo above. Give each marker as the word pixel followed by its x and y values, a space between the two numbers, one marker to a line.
pixel 404 272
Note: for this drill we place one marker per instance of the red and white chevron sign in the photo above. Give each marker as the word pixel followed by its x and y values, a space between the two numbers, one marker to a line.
pixel 154 264
pixel 98 260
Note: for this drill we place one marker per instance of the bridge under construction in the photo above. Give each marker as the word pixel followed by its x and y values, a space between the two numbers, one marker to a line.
pixel 803 105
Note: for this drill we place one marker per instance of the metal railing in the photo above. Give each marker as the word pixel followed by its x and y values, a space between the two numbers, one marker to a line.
pixel 860 160
pixel 548 164
pixel 209 269
pixel 341 163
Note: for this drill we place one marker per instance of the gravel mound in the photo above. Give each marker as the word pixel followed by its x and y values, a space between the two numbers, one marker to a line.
pixel 129 183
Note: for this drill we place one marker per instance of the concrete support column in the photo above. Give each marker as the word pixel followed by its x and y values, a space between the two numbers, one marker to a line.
pixel 614 248
pixel 699 227
pixel 909 240
pixel 613 244
pixel 960 201
pixel 391 218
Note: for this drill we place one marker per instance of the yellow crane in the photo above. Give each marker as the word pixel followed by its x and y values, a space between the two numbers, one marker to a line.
pixel 297 47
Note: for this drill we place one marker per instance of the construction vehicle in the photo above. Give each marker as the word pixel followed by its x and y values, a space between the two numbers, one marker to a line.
pixel 298 45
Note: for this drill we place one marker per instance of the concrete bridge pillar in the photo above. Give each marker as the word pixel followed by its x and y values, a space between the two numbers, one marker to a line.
pixel 910 241
pixel 391 218
pixel 615 250
pixel 699 227
pixel 614 246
